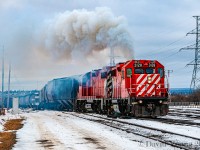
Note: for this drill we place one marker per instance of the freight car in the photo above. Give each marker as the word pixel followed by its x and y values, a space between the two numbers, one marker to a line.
pixel 59 94
pixel 135 87
pixel 29 99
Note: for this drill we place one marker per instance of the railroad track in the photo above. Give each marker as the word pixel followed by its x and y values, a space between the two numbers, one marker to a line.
pixel 163 136
pixel 184 122
pixel 194 114
pixel 189 115
pixel 196 111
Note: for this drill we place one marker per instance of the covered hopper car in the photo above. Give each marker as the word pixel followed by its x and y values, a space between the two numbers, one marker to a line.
pixel 59 94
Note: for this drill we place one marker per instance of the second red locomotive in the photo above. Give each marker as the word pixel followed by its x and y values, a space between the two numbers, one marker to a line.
pixel 134 87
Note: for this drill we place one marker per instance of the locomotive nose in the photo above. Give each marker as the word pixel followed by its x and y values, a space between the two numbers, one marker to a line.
pixel 148 85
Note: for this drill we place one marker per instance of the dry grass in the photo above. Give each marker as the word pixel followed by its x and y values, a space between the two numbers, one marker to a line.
pixel 14 124
pixel 8 138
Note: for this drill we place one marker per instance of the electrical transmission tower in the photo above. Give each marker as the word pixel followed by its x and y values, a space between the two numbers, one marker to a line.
pixel 196 47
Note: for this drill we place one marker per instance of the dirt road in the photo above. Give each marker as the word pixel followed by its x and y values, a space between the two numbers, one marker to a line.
pixel 57 130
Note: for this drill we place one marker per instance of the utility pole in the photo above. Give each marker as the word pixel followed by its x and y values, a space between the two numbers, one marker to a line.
pixel 2 92
pixel 112 57
pixel 168 74
pixel 196 61
pixel 168 83
pixel 8 99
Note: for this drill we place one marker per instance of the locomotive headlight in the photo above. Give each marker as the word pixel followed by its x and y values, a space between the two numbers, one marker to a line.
pixel 149 79
pixel 160 101
pixel 140 101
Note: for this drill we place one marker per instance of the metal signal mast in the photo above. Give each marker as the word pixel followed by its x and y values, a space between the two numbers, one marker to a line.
pixel 196 47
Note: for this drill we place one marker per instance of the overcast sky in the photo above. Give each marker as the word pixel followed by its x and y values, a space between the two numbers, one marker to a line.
pixel 158 29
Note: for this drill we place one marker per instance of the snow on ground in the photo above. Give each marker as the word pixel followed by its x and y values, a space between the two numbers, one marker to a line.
pixel 57 130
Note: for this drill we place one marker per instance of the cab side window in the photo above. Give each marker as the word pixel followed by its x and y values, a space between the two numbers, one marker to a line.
pixel 128 72
pixel 161 72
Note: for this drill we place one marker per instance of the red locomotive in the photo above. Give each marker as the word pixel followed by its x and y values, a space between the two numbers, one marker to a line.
pixel 135 87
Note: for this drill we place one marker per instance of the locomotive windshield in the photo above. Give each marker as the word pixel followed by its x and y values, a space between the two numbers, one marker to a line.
pixel 149 71
pixel 139 71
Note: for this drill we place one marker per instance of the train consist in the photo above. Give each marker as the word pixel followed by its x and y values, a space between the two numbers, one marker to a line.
pixel 135 88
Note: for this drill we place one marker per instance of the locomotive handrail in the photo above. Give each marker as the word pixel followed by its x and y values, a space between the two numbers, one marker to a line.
pixel 149 84
pixel 145 86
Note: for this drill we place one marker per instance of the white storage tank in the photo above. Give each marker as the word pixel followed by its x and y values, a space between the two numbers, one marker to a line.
pixel 15 105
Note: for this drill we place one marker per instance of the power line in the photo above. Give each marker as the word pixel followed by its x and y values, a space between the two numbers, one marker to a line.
pixel 162 49
pixel 168 45
pixel 168 29
pixel 196 61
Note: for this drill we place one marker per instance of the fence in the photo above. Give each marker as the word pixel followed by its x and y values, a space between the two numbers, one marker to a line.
pixel 185 104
